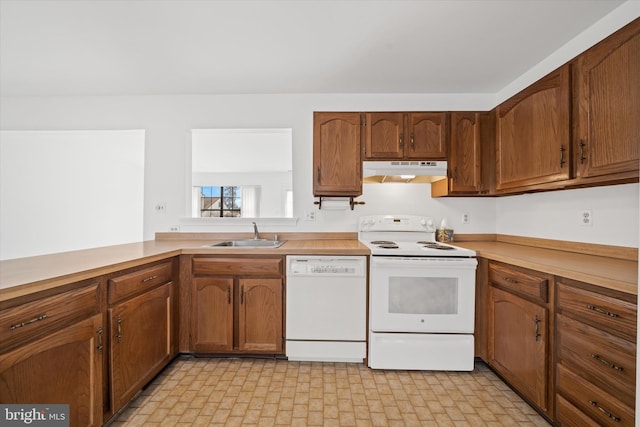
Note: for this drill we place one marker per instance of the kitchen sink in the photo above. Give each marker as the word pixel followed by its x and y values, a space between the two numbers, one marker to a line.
pixel 248 243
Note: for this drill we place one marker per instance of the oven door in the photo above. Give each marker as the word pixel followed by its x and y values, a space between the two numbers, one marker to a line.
pixel 418 294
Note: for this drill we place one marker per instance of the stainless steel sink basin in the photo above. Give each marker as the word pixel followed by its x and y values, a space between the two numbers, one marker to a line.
pixel 248 243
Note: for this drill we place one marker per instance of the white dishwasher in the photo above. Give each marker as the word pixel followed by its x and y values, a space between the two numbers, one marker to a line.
pixel 326 308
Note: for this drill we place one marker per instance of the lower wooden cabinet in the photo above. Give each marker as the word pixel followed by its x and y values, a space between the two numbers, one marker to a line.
pixel 518 330
pixel 61 367
pixel 518 343
pixel 260 315
pixel 595 355
pixel 237 305
pixel 141 342
pixel 141 318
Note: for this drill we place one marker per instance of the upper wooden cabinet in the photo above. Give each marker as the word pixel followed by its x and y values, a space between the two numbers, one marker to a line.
pixel 393 136
pixel 471 152
pixel 337 161
pixel 533 145
pixel 607 105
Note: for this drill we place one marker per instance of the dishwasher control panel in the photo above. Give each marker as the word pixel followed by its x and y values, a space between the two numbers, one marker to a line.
pixel 325 266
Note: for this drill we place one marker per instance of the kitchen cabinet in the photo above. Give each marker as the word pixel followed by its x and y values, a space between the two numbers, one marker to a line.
pixel 337 159
pixel 141 318
pixel 237 305
pixel 398 135
pixel 52 351
pixel 518 330
pixel 532 134
pixel 470 163
pixel 595 355
pixel 607 106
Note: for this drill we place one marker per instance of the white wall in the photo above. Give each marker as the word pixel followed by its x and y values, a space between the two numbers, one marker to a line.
pixel 62 191
pixel 168 121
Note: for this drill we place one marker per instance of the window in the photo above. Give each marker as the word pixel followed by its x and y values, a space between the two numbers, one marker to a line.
pixel 220 202
pixel 256 163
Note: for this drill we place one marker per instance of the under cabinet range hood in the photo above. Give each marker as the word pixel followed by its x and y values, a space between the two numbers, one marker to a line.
pixel 410 171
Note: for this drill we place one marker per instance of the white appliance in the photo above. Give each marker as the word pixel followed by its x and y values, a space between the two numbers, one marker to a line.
pixel 437 168
pixel 326 308
pixel 421 296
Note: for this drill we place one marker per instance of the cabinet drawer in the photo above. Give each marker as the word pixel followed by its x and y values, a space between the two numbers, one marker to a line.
pixel 519 282
pixel 598 356
pixel 599 405
pixel 568 415
pixel 132 283
pixel 238 266
pixel 22 322
pixel 611 314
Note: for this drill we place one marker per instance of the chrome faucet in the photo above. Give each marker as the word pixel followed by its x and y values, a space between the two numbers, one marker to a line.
pixel 256 236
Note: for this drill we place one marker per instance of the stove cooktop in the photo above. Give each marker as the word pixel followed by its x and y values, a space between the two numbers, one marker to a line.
pixel 405 235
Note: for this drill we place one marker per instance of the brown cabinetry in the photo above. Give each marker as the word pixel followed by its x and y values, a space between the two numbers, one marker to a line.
pixel 141 318
pixel 518 330
pixel 595 355
pixel 607 106
pixel 532 134
pixel 52 351
pixel 237 305
pixel 600 104
pixel 470 160
pixel 398 135
pixel 337 161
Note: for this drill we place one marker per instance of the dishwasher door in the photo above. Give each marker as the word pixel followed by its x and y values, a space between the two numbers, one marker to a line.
pixel 326 308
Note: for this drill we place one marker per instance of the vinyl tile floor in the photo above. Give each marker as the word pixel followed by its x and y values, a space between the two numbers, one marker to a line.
pixel 266 392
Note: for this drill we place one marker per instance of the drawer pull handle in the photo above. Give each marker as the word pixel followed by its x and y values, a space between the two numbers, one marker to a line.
pixel 242 294
pixel 601 311
pixel 228 295
pixel 119 326
pixel 100 339
pixel 604 411
pixel 510 280
pixel 606 362
pixel 537 328
pixel 28 322
pixel 149 278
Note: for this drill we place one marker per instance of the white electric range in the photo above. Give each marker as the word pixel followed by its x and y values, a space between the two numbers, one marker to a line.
pixel 421 296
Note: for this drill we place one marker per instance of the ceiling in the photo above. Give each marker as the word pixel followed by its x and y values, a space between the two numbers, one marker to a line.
pixel 137 47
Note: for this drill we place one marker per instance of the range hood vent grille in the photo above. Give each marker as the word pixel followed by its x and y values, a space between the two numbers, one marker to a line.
pixel 406 171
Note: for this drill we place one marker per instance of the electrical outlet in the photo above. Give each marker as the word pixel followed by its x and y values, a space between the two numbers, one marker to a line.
pixel 586 217
pixel 310 215
pixel 174 228
pixel 161 208
pixel 465 218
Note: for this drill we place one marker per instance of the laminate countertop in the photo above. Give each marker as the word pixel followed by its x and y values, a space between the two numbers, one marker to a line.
pixel 22 276
pixel 607 272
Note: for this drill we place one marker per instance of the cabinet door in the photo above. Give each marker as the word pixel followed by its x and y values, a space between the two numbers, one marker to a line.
pixel 384 136
pixel 465 155
pixel 64 367
pixel 517 343
pixel 337 160
pixel 140 342
pixel 607 84
pixel 427 134
pixel 532 140
pixel 212 314
pixel 260 315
